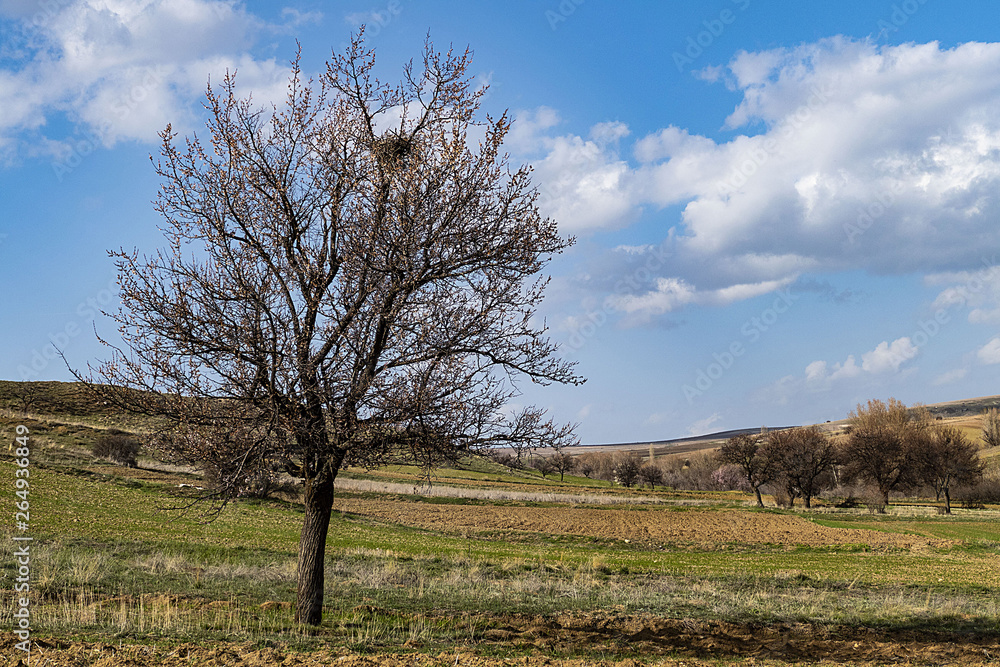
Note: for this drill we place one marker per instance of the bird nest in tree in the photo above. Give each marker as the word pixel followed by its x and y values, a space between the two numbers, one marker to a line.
pixel 391 149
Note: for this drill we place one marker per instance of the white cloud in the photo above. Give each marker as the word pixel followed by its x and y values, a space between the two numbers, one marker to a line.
pixel 584 186
pixel 881 158
pixel 885 358
pixel 979 291
pixel 122 69
pixel 950 377
pixel 701 426
pixel 990 353
pixel 671 294
pixel 888 357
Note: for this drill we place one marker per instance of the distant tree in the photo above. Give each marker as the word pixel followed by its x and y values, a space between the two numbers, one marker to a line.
pixel 118 447
pixel 945 458
pixel 584 467
pixel 650 473
pixel 562 463
pixel 991 427
pixel 543 464
pixel 602 465
pixel 27 395
pixel 504 458
pixel 348 278
pixel 730 477
pixel 744 450
pixel 879 448
pixel 802 459
pixel 626 468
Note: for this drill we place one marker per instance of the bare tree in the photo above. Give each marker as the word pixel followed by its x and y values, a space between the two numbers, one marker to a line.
pixel 945 458
pixel 562 463
pixel 27 394
pixel 991 427
pixel 584 466
pixel 626 468
pixel 650 473
pixel 879 447
pixel 744 450
pixel 802 459
pixel 543 464
pixel 349 278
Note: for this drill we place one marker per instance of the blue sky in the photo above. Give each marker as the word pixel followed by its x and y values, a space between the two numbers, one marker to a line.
pixel 782 208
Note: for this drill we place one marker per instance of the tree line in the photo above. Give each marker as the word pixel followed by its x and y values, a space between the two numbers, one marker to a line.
pixel 886 448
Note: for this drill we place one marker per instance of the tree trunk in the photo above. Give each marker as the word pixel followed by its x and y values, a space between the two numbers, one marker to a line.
pixel 947 501
pixel 760 501
pixel 312 549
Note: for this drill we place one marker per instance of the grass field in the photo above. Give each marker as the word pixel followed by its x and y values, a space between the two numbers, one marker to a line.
pixel 487 567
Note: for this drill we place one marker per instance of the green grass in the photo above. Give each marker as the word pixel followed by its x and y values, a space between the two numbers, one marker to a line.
pixel 111 561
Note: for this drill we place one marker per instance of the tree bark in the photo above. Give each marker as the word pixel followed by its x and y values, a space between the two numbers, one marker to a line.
pixel 312 548
pixel 760 501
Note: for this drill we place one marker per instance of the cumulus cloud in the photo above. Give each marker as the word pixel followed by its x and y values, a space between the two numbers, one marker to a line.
pixel 122 69
pixel 851 156
pixel 989 353
pixel 884 359
pixel 888 357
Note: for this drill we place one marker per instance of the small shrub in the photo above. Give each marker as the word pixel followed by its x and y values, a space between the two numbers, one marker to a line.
pixel 850 502
pixel 507 460
pixel 730 477
pixel 978 496
pixel 258 482
pixel 873 501
pixel 118 447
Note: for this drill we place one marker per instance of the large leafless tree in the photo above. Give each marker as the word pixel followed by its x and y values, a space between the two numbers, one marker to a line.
pixel 880 447
pixel 349 278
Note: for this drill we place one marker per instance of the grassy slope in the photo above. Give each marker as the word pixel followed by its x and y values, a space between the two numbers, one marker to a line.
pixel 104 545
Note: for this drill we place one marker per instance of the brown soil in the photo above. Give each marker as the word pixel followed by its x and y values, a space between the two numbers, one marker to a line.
pixel 653 526
pixel 653 640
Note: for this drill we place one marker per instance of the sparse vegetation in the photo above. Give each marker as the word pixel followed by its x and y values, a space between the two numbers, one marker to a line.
pixel 119 447
pixel 413 568
pixel 990 433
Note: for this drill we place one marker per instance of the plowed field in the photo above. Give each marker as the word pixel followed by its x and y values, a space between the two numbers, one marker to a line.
pixel 658 526
pixel 656 641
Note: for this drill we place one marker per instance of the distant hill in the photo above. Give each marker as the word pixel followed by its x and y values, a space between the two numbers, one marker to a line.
pixel 73 399
pixel 964 408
